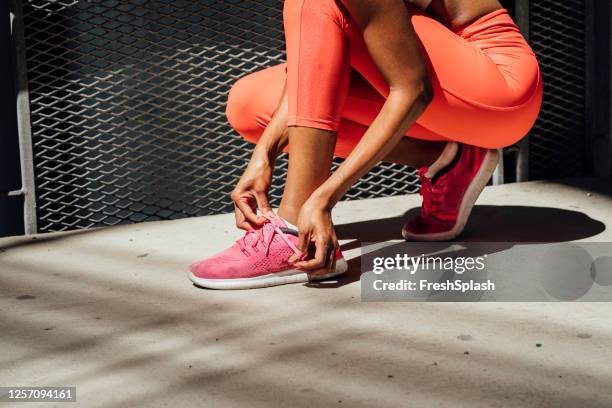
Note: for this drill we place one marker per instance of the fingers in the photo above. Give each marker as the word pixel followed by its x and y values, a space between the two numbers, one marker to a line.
pixel 241 222
pixel 248 213
pixel 247 210
pixel 322 246
pixel 262 202
pixel 330 264
pixel 303 243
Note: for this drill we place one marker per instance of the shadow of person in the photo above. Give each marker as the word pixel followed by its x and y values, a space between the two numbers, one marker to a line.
pixel 488 223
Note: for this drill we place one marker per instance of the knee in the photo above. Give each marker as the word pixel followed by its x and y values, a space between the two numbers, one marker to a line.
pixel 241 111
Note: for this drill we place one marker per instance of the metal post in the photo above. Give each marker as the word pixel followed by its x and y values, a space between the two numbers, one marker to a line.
pixel 498 174
pixel 605 170
pixel 598 143
pixel 521 16
pixel 23 120
pixel 522 157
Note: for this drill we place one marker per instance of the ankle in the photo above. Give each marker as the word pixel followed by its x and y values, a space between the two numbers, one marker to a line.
pixel 446 157
pixel 288 214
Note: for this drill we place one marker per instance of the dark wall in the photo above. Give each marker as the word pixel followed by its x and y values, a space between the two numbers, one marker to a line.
pixel 599 143
pixel 11 216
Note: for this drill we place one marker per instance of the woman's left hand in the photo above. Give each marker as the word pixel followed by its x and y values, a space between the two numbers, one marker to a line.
pixel 316 228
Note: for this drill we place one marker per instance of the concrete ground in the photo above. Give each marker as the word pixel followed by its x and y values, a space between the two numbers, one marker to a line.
pixel 111 312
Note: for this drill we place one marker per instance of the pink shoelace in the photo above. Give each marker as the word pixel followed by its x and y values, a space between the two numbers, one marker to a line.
pixel 265 234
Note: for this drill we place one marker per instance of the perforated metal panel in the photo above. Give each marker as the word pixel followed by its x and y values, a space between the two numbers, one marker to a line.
pixel 128 100
pixel 557 34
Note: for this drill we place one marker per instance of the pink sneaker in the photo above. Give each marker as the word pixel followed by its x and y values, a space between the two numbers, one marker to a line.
pixel 450 195
pixel 257 260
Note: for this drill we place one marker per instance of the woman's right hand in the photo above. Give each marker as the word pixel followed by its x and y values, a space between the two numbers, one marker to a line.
pixel 251 192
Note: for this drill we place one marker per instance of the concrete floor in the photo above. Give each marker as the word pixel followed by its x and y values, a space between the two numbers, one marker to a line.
pixel 111 312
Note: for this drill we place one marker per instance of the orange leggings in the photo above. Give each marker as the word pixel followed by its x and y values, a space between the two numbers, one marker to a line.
pixel 486 79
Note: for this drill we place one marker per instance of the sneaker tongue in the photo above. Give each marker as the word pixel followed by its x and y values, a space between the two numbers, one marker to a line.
pixel 286 233
pixel 280 223
pixel 284 226
pixel 277 221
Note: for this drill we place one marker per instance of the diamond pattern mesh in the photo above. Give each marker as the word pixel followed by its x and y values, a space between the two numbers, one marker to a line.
pixel 128 100
pixel 557 34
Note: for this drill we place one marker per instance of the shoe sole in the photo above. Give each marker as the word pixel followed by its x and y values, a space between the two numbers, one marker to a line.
pixel 264 281
pixel 467 203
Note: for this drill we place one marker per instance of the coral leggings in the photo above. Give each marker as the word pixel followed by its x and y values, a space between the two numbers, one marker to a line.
pixel 486 80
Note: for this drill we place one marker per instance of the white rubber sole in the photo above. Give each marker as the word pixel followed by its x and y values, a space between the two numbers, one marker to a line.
pixel 273 279
pixel 470 196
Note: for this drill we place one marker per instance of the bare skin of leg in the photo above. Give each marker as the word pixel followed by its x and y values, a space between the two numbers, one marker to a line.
pixel 310 158
pixel 414 152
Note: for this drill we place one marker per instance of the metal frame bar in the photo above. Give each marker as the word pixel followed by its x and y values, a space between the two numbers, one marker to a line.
pixel 605 169
pixel 521 16
pixel 28 187
pixel 598 143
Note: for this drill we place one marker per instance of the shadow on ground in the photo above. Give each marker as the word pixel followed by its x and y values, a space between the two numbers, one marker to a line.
pixel 155 341
pixel 108 318
pixel 488 223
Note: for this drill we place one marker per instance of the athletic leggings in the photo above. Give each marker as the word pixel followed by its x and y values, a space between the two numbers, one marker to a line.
pixel 486 80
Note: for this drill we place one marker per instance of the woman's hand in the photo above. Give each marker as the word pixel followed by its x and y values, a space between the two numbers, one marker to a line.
pixel 316 227
pixel 251 192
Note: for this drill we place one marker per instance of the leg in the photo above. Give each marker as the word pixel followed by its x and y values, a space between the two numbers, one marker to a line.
pixel 249 111
pixel 253 99
pixel 322 43
pixel 362 105
pixel 316 31
pixel 310 157
pixel 489 96
pixel 487 87
pixel 318 73
pixel 415 153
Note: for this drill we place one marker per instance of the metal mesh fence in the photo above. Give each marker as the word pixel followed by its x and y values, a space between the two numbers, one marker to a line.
pixel 557 34
pixel 128 100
